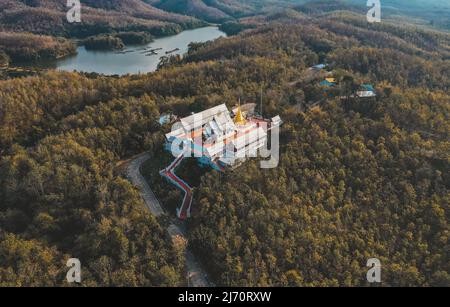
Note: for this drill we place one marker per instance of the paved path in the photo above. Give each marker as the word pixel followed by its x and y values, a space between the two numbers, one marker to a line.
pixel 197 277
pixel 135 176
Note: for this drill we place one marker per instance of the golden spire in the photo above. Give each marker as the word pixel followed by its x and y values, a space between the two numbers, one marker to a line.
pixel 239 119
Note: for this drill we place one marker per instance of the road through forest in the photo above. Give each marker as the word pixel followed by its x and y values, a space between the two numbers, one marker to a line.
pixel 197 277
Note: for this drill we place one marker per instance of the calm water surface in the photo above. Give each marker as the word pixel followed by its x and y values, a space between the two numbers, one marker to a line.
pixel 133 60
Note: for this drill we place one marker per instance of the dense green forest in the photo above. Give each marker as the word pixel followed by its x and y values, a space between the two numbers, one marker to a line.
pixel 103 42
pixel 29 47
pixel 357 179
pixel 116 41
pixel 134 38
pixel 60 194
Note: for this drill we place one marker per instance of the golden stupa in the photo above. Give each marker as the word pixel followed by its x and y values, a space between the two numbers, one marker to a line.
pixel 239 118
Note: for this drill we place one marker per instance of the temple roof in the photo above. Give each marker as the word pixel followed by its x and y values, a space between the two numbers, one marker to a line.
pixel 199 119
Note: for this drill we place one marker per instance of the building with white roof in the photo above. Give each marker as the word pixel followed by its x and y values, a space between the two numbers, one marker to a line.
pixel 217 139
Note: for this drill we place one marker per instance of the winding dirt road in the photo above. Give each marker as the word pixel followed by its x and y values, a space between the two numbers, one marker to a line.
pixel 197 277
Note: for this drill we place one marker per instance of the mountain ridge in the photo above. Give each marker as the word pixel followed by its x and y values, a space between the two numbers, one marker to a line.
pixel 49 17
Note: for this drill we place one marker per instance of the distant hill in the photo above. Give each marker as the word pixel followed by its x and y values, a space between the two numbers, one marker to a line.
pixel 321 6
pixel 98 16
pixel 432 13
pixel 220 10
pixel 234 8
pixel 197 8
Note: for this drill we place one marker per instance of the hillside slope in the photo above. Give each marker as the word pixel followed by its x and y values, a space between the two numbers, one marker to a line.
pixel 220 10
pixel 98 16
pixel 196 8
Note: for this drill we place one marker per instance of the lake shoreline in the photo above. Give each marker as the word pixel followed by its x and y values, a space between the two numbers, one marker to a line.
pixel 134 59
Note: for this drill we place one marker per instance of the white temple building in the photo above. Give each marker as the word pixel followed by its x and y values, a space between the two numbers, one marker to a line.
pixel 217 139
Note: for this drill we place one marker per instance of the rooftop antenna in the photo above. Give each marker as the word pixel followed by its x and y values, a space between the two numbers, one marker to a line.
pixel 261 102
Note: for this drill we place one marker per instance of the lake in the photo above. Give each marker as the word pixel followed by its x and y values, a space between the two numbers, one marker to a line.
pixel 133 60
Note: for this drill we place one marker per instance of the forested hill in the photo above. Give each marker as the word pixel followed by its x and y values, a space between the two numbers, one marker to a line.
pixel 98 16
pixel 357 179
pixel 39 30
pixel 220 10
pixel 195 8
pixel 433 13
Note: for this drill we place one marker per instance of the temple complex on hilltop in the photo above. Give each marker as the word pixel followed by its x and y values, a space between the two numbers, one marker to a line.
pixel 217 138
pixel 220 138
